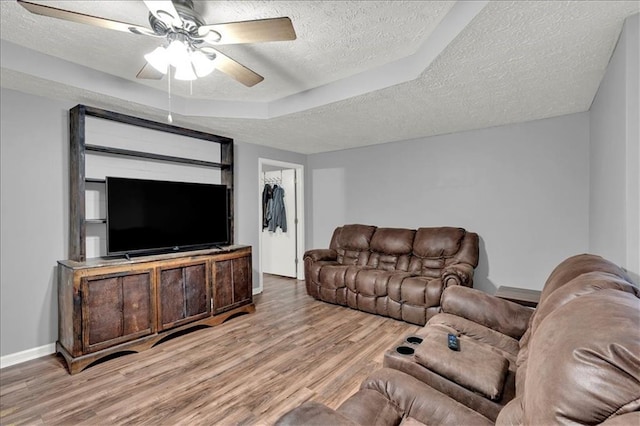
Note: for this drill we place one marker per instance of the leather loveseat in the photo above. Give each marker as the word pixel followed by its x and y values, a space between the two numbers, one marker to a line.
pixel 394 272
pixel 575 360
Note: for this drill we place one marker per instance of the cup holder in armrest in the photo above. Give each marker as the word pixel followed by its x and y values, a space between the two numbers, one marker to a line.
pixel 405 350
pixel 414 339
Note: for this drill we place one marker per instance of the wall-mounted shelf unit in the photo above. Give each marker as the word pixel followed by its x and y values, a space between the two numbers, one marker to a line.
pixel 151 156
pixel 78 179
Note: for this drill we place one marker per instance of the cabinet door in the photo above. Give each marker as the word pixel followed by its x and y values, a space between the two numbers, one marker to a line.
pixel 116 308
pixel 242 284
pixel 223 286
pixel 231 283
pixel 182 294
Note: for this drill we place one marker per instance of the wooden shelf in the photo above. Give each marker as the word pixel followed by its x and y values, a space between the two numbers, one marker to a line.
pixel 94 221
pixel 151 156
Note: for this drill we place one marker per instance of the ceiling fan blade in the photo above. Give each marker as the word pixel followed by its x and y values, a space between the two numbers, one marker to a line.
pixel 235 69
pixel 165 11
pixel 147 72
pixel 81 18
pixel 274 29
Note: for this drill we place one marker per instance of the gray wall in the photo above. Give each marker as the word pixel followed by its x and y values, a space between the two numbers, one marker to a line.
pixel 523 188
pixel 34 217
pixel 614 214
pixel 247 192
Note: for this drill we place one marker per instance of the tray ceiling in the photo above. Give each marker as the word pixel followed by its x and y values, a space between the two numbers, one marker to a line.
pixel 360 72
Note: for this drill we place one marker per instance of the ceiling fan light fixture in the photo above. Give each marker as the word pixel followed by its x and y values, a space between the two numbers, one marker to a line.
pixel 158 59
pixel 203 64
pixel 177 53
pixel 184 71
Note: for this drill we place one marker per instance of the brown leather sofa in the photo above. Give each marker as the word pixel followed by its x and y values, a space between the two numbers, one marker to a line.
pixel 576 359
pixel 394 272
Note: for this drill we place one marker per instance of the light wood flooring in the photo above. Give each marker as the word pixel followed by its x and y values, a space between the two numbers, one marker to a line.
pixel 249 370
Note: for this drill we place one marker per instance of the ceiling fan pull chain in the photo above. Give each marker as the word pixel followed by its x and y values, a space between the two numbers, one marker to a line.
pixel 169 118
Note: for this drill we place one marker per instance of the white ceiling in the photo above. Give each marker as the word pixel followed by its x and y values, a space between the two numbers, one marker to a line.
pixel 359 73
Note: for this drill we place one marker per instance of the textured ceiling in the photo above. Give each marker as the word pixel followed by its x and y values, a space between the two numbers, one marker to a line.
pixel 513 62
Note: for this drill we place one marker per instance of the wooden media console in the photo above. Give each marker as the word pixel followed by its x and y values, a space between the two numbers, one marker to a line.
pixel 108 306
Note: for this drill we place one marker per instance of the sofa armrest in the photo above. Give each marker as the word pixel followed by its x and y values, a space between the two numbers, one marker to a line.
pixel 313 413
pixel 320 254
pixel 501 315
pixel 457 274
pixel 420 401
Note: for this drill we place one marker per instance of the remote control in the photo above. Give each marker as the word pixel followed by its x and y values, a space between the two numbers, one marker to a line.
pixel 453 342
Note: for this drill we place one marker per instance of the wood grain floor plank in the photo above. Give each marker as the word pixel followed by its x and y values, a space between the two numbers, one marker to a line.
pixel 247 371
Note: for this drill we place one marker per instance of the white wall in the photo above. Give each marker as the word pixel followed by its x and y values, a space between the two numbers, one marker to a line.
pixel 34 155
pixel 523 188
pixel 614 221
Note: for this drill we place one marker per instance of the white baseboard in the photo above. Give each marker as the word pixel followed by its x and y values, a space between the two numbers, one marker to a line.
pixel 28 355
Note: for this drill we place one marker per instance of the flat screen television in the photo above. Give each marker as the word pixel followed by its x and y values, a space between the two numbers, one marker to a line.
pixel 146 216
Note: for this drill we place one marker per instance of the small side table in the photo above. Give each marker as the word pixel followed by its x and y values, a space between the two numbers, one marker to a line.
pixel 522 296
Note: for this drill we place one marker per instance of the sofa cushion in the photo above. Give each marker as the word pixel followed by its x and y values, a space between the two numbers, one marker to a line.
pixel 584 361
pixel 373 282
pixel 501 315
pixel 505 345
pixel 416 290
pixel 355 237
pixel 395 241
pixel 584 284
pixel 334 276
pixel 473 366
pixel 437 242
pixel 577 265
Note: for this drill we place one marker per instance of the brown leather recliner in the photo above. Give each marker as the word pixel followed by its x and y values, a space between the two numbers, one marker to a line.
pixel 577 360
pixel 394 272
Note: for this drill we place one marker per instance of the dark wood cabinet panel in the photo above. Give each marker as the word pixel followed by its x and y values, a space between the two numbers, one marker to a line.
pixel 112 305
pixel 222 292
pixel 232 283
pixel 195 290
pixel 242 285
pixel 115 309
pixel 103 313
pixel 183 294
pixel 136 296
pixel 171 294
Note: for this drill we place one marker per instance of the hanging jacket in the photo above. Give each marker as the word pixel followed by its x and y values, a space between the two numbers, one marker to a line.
pixel 267 195
pixel 278 214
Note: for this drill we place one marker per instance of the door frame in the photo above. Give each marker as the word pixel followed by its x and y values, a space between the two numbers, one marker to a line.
pixel 299 213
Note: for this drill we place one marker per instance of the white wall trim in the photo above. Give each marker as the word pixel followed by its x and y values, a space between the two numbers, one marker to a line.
pixel 28 355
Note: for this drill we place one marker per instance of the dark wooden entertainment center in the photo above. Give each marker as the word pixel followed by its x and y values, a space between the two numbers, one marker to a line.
pixel 111 305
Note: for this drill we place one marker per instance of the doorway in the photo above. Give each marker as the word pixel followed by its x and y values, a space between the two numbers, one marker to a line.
pixel 280 252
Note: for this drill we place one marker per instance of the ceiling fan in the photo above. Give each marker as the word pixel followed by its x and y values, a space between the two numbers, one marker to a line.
pixel 188 41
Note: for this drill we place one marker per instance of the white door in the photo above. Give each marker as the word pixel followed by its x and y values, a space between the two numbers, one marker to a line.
pixel 279 248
